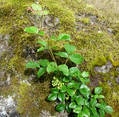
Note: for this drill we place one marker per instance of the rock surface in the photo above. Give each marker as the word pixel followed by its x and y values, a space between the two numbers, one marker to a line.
pixel 8 107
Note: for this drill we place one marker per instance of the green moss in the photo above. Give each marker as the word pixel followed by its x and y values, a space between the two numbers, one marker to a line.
pixel 94 46
pixel 64 13
pixel 111 96
pixel 26 101
pixel 31 99
pixel 85 20
pixel 16 63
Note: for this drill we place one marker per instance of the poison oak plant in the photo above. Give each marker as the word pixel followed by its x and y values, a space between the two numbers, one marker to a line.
pixel 69 84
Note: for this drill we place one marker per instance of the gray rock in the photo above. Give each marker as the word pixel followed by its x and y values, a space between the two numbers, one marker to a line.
pixel 110 30
pixel 93 19
pixel 14 114
pixel 105 68
pixel 7 107
pixel 117 80
pixel 4 43
pixel 5 78
pixel 117 69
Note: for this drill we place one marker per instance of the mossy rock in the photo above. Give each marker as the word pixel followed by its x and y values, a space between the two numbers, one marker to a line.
pixel 92 42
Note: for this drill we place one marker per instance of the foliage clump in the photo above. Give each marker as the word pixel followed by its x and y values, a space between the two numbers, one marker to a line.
pixel 69 84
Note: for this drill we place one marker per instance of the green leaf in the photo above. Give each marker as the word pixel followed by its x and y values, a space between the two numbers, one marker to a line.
pixel 42 42
pixel 36 7
pixel 76 58
pixel 94 112
pixel 43 62
pixel 52 97
pixel 102 113
pixel 63 89
pixel 77 109
pixel 61 97
pixel 71 92
pixel 101 106
pixel 84 90
pixel 85 74
pixel 52 66
pixel 66 79
pixel 73 84
pixel 32 64
pixel 69 48
pixel 98 90
pixel 40 72
pixel 85 112
pixel 62 54
pixel 74 72
pixel 84 80
pixel 79 100
pixel 55 90
pixel 31 29
pixel 72 105
pixel 80 115
pixel 64 68
pixel 41 33
pixel 67 108
pixel 40 49
pixel 93 102
pixel 60 107
pixel 64 37
pixel 98 96
pixel 108 109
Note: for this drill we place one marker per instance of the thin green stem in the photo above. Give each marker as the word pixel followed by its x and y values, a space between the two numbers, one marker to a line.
pixel 66 60
pixel 51 52
pixel 52 55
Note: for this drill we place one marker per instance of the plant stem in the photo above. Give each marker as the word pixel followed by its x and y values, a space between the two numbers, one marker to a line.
pixel 51 52
pixel 52 55
pixel 66 60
